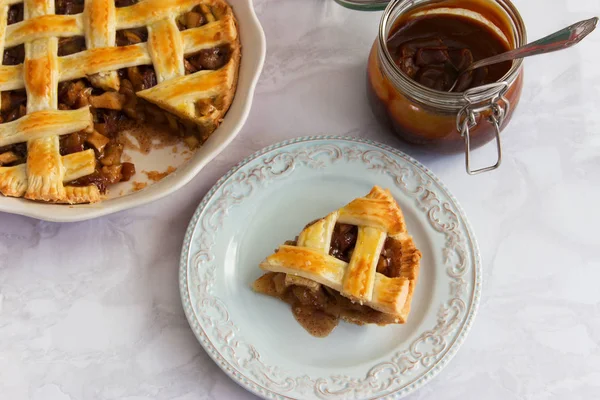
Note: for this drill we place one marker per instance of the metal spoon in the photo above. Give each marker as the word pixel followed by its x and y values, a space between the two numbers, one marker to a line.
pixel 560 40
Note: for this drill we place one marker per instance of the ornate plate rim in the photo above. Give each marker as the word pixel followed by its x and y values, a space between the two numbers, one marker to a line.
pixel 260 390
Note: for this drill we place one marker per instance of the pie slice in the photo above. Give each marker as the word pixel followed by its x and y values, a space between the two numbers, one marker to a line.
pixel 358 264
pixel 76 75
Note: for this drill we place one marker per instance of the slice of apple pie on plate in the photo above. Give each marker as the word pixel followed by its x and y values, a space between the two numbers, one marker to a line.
pixel 357 264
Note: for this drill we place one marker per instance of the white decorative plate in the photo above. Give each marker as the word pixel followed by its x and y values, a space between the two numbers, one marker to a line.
pixel 124 195
pixel 268 198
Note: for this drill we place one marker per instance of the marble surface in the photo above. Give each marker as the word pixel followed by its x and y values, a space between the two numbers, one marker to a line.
pixel 91 310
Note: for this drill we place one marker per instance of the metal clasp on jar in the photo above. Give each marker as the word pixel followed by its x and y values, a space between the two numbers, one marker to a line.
pixel 466 119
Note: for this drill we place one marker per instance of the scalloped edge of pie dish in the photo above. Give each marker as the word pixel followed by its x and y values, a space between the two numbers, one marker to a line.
pixel 254 48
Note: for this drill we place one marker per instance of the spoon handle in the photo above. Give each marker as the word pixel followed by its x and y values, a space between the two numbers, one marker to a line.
pixel 562 39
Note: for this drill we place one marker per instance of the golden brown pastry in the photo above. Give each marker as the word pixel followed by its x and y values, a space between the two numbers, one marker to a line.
pixel 358 263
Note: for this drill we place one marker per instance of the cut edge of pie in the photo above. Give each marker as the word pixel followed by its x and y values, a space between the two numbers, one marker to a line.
pixel 358 264
pixel 207 115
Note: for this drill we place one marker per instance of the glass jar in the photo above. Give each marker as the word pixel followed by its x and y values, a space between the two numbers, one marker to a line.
pixel 439 120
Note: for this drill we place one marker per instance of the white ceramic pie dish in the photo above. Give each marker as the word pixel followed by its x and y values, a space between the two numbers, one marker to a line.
pixel 123 195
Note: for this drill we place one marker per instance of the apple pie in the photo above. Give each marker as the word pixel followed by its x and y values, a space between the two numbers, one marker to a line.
pixel 76 73
pixel 358 264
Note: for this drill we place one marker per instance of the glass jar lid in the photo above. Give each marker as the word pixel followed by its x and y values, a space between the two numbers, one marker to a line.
pixel 364 5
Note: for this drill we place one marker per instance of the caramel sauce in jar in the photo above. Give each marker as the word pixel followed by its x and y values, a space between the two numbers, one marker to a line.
pixel 422 45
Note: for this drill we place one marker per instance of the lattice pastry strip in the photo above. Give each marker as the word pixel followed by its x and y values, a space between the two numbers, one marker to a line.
pixel 379 218
pixel 100 31
pixel 43 176
pixel 4 7
pixel 166 49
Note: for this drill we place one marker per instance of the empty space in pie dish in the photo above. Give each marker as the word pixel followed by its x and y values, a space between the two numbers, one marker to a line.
pixel 278 212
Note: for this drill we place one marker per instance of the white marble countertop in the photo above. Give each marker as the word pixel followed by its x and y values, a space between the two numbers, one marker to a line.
pixel 91 310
